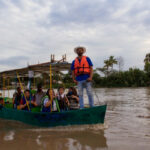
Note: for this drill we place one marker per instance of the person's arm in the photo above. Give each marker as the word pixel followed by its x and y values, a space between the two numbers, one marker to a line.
pixel 91 69
pixel 22 106
pixel 14 97
pixel 76 97
pixel 47 103
pixel 73 77
pixel 73 74
pixel 67 101
pixel 33 101
pixel 91 74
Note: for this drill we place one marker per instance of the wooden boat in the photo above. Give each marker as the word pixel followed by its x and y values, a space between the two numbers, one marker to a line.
pixel 94 115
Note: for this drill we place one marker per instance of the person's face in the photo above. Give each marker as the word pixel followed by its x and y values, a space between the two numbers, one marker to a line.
pixel 61 91
pixel 80 52
pixel 27 94
pixel 19 90
pixel 51 93
pixel 40 89
pixel 70 90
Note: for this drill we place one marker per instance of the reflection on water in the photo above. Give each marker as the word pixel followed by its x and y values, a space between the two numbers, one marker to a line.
pixel 127 126
pixel 9 136
pixel 53 139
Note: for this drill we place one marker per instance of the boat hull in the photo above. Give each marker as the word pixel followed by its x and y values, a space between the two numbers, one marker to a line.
pixel 92 115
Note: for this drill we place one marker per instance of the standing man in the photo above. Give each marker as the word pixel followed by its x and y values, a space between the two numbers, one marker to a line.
pixel 82 74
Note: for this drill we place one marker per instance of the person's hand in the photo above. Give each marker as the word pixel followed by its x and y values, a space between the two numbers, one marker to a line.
pixel 27 103
pixel 75 81
pixel 89 79
pixel 68 103
pixel 73 96
pixel 32 102
pixel 20 107
pixel 56 95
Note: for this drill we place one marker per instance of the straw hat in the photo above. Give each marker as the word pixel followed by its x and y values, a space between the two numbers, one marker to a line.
pixel 79 47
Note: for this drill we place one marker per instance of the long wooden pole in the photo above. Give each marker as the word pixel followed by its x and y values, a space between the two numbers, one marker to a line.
pixel 4 85
pixel 50 71
pixel 34 83
pixel 22 90
pixel 8 87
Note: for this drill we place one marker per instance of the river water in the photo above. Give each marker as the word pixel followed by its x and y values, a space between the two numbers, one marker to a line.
pixel 126 127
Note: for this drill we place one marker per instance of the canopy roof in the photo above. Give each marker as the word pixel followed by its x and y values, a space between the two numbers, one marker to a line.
pixel 38 69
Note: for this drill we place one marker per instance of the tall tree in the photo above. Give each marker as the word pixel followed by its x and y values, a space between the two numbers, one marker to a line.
pixel 147 67
pixel 108 63
pixel 112 61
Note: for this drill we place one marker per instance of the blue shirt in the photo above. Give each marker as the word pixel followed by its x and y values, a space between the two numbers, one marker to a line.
pixel 82 77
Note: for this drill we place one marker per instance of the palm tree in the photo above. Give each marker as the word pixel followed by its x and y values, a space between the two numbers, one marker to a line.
pixel 107 64
pixel 112 61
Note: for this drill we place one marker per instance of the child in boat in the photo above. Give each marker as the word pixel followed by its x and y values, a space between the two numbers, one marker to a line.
pixel 1 101
pixel 26 101
pixel 73 98
pixel 62 99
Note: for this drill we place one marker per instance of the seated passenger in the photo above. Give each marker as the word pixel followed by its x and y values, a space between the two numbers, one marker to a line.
pixel 47 101
pixel 62 99
pixel 26 100
pixel 73 98
pixel 1 101
pixel 38 96
pixel 17 97
pixel 55 104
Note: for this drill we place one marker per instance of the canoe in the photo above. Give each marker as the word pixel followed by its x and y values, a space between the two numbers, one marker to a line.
pixel 93 115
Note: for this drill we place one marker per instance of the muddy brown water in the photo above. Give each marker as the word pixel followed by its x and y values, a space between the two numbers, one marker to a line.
pixel 127 127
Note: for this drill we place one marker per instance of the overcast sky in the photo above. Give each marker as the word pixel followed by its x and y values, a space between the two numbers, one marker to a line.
pixel 31 30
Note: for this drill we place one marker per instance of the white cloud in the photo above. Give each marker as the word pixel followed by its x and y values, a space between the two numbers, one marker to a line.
pixel 36 28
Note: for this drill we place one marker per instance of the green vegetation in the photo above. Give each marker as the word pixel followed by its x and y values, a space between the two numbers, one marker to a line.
pixel 133 77
pixel 130 78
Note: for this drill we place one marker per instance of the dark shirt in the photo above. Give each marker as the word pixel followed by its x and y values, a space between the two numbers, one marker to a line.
pixel 74 104
pixel 18 97
pixel 62 102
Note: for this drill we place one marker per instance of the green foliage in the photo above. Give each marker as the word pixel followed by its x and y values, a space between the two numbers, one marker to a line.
pixel 67 78
pixel 131 78
pixel 147 67
pixel 108 65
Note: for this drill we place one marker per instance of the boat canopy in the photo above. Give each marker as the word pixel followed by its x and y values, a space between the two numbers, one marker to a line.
pixel 57 67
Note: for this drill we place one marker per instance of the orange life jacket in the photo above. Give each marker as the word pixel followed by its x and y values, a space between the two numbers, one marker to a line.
pixel 81 67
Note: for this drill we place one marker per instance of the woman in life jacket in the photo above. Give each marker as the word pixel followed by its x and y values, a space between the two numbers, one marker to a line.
pixel 62 99
pixel 47 101
pixel 50 102
pixel 73 98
